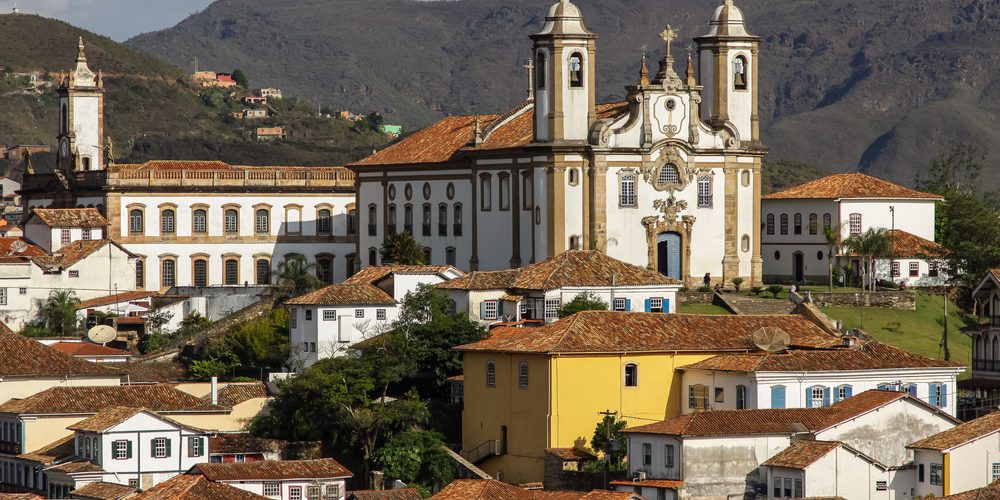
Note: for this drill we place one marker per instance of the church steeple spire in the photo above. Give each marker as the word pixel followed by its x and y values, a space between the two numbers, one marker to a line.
pixel 81 57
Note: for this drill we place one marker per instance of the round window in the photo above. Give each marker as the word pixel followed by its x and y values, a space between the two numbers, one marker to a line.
pixel 427 190
pixel 777 255
pixel 392 191
pixel 450 191
pixel 408 192
pixel 671 105
pixel 819 255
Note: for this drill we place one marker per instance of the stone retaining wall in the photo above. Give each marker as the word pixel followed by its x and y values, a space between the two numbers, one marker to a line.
pixel 895 300
pixel 693 297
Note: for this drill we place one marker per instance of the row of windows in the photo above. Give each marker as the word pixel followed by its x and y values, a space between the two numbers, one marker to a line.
pixel 230 270
pixel 313 492
pixel 230 221
pixel 668 175
pixel 522 374
pixel 426 220
pixel 698 396
pixel 86 234
pixel 331 315
pixel 158 448
pixel 783 487
pixel 914 269
pixel 818 396
pixel 647 455
pixel 813 223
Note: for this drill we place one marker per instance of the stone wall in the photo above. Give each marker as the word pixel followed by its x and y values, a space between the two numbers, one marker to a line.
pixel 896 300
pixel 693 297
pixel 558 478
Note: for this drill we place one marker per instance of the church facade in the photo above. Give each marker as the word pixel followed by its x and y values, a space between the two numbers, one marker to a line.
pixel 669 178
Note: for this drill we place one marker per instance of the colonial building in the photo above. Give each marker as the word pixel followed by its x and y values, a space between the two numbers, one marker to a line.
pixel 668 179
pixel 194 223
pixel 985 381
pixel 959 459
pixel 284 479
pixel 795 247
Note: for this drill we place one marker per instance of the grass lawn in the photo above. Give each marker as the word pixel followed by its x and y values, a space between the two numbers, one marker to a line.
pixel 917 331
pixel 701 309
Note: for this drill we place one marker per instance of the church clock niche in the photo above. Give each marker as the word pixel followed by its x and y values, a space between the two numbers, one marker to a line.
pixel 740 73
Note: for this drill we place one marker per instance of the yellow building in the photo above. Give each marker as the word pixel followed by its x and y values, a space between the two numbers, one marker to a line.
pixel 529 389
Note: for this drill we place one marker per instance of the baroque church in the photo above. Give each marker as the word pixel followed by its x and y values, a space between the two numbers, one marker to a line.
pixel 669 178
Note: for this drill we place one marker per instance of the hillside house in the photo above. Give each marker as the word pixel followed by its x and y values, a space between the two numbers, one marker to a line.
pixel 213 79
pixel 268 92
pixel 959 459
pixel 263 134
pixel 89 351
pixel 196 487
pixel 282 479
pixel 828 469
pixel 242 447
pixel 255 100
pixel 537 291
pixel 251 114
pixel 985 381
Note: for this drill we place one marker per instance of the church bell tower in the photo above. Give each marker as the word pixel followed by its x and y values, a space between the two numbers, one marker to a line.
pixel 564 57
pixel 728 69
pixel 81 118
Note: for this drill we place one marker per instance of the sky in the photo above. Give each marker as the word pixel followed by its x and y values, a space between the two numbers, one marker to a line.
pixel 116 19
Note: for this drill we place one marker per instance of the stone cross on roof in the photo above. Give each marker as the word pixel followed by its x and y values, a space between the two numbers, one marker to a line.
pixel 530 66
pixel 669 35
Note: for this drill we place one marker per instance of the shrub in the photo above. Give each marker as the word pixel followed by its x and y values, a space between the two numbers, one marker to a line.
pixel 704 289
pixel 684 289
pixel 775 290
pixel 737 281
pixel 756 290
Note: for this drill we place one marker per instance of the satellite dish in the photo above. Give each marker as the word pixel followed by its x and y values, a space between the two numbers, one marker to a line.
pixel 102 334
pixel 771 339
pixel 18 246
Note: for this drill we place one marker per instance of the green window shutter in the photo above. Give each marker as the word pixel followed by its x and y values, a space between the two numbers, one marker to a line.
pixel 128 449
pixel 482 310
pixel 168 447
pixel 152 447
pixel 204 447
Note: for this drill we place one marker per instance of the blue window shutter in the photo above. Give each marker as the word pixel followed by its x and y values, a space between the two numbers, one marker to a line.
pixel 628 304
pixel 666 306
pixel 932 396
pixel 848 391
pixel 826 396
pixel 809 397
pixel 912 389
pixel 647 305
pixel 482 310
pixel 500 309
pixel 836 394
pixel 944 395
pixel 777 396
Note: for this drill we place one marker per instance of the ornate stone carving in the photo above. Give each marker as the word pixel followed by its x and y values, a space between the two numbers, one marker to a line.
pixel 669 156
pixel 670 221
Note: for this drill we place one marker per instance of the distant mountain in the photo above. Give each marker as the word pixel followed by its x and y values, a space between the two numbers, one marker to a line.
pixel 880 84
pixel 152 108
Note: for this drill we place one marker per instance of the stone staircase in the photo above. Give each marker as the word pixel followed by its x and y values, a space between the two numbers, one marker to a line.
pixel 759 305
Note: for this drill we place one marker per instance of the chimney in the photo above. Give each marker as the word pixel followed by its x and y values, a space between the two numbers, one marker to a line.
pixel 376 480
pixel 215 390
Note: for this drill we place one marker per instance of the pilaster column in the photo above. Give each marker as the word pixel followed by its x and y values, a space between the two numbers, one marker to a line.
pixel 756 262
pixel 754 93
pixel 598 203
pixel 555 207
pixel 515 216
pixel 731 261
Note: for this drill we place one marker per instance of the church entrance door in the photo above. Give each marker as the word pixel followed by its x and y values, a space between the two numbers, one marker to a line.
pixel 668 251
pixel 798 265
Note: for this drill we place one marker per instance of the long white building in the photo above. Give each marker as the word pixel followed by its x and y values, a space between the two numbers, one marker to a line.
pixel 668 179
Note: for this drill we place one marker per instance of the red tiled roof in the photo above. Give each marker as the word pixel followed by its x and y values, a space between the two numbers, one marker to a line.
pixel 236 393
pixel 491 489
pixel 195 487
pixel 90 400
pixel 990 492
pixel 868 355
pixel 243 443
pixel 957 436
pixel 100 490
pixel 78 465
pixel 613 331
pixel 907 245
pixel 373 274
pixel 570 453
pixel 854 185
pixel 87 349
pixel 269 470
pixel 450 137
pixel 61 448
pixel 650 483
pixel 31 250
pixel 21 496
pixel 70 217
pixel 802 454
pixel 344 294
pixel 393 494
pixel 23 356
pixel 482 280
pixel 70 254
pixel 119 298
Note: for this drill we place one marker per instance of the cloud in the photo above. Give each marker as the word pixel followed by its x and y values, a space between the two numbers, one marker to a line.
pixel 117 19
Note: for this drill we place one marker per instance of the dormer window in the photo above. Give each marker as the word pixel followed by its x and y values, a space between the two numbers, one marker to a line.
pixel 576 70
pixel 741 73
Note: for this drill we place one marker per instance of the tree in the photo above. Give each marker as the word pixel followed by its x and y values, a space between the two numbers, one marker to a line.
pixel 870 246
pixel 607 432
pixel 374 121
pixel 417 458
pixel 241 79
pixel 59 312
pixel 586 301
pixel 401 248
pixel 832 235
pixel 295 277
pixel 261 342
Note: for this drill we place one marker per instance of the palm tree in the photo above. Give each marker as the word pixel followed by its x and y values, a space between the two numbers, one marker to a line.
pixel 833 242
pixel 870 246
pixel 402 248
pixel 59 312
pixel 295 277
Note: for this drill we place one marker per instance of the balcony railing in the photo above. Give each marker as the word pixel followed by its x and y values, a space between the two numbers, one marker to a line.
pixel 705 201
pixel 486 450
pixel 10 448
pixel 426 229
pixel 457 229
pixel 442 229
pixel 985 365
pixel 233 176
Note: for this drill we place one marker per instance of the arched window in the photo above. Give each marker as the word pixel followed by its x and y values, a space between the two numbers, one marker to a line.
pixel 522 375
pixel 263 221
pixel 372 256
pixel 200 272
pixel 784 224
pixel 741 73
pixel 491 374
pixel 705 191
pixel 745 243
pixel 324 268
pixel 631 375
pixel 425 225
pixel 231 271
pixel 797 227
pixel 741 397
pixel 540 70
pixel 168 272
pixel 457 229
pixel 391 215
pixel 167 221
pixel 443 219
pixel 199 221
pixel 504 191
pixel 232 221
pixel 813 224
pixel 626 197
pixel 263 272
pixel 770 224
pixel 526 191
pixel 996 349
pixel 140 273
pixel 574 242
pixel 449 256
pixel 827 221
pixel 576 70
pixel 372 217
pixel 669 175
pixel 574 177
pixel 745 178
pixel 135 221
pixel 352 221
pixel 485 192
pixel 427 255
pixel 324 221
pixel 408 218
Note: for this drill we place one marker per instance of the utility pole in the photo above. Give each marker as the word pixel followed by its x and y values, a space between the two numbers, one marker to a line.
pixel 608 420
pixel 947 353
pixel 892 245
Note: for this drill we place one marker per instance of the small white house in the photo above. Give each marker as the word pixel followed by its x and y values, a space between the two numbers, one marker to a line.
pixel 536 292
pixel 282 479
pixel 812 469
pixel 52 228
pixel 959 459
pixel 794 246
pixel 325 322
pixel 816 378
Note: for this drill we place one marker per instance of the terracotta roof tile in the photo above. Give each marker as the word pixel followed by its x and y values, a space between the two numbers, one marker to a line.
pixel 70 254
pixel 907 245
pixel 61 448
pixel 87 349
pixel 30 249
pixel 236 393
pixel 100 490
pixel 869 355
pixel 570 453
pixel 78 465
pixel 267 470
pixel 373 274
pixel 243 443
pixel 90 400
pixel 956 436
pixel 70 217
pixel 491 489
pixel 802 454
pixel 344 294
pixel 105 419
pixel 854 185
pixel 122 297
pixel 195 487
pixel 26 357
pixel 393 494
pixel 613 331
pixel 21 496
pixel 154 371
pixel 482 280
pixel 990 492
pixel 650 483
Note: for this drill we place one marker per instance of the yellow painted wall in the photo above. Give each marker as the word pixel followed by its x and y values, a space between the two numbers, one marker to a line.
pixel 522 410
pixel 43 431
pixel 562 413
